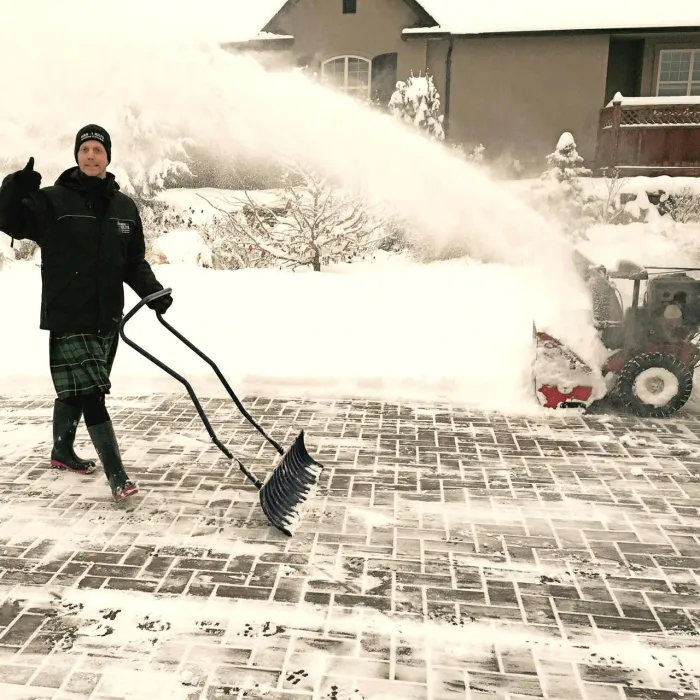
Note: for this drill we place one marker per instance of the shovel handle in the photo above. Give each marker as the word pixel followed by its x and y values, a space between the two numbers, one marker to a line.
pixel 222 379
pixel 250 476
pixel 170 371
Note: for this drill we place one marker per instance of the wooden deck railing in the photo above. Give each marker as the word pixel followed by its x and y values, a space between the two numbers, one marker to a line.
pixel 650 135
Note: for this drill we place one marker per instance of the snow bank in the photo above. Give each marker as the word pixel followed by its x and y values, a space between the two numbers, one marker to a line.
pixel 183 246
pixel 637 185
pixel 661 243
pixel 458 331
pixel 390 329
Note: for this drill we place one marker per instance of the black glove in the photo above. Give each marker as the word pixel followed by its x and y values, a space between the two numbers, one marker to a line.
pixel 161 304
pixel 28 180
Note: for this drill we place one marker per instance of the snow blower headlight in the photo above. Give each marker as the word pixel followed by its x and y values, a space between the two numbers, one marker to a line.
pixel 673 312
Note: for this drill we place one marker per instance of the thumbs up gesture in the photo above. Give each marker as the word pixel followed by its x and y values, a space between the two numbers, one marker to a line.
pixel 28 179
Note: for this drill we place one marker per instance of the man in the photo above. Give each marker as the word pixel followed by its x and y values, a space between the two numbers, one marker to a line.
pixel 91 241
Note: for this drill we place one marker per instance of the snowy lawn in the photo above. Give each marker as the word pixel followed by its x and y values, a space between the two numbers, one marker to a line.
pixel 457 330
pixel 385 328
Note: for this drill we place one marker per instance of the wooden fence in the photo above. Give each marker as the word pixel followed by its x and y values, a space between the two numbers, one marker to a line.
pixel 650 136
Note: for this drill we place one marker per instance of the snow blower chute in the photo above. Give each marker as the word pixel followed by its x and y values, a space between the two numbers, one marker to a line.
pixel 295 476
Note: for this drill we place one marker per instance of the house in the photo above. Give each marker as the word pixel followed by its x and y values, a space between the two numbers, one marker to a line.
pixel 515 74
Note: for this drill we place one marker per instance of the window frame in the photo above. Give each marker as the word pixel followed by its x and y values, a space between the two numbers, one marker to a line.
pixel 368 61
pixel 349 7
pixel 694 60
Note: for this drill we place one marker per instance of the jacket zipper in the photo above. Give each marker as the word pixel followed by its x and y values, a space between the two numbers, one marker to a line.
pixel 103 219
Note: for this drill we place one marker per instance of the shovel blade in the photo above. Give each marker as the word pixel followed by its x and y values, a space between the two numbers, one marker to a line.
pixel 291 484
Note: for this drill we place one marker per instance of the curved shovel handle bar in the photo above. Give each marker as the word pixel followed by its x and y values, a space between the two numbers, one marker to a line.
pixel 188 386
pixel 164 367
pixel 146 300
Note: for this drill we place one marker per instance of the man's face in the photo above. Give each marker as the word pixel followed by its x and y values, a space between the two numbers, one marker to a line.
pixel 92 159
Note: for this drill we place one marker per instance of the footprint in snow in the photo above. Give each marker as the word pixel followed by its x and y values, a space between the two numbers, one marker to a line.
pixel 153 625
pixel 95 630
pixel 297 676
pixel 267 629
pixel 71 608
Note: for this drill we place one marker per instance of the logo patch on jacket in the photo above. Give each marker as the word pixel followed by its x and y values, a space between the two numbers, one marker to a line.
pixel 124 227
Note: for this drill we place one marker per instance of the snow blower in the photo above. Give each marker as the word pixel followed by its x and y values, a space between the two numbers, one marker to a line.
pixel 653 345
pixel 296 475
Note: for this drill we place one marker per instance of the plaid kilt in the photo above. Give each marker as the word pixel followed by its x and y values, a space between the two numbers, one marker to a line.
pixel 81 363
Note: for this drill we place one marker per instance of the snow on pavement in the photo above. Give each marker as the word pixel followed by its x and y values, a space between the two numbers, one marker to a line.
pixel 446 549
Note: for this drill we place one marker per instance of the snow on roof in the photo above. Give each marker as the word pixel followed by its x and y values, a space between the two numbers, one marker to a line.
pixel 266 36
pixel 472 17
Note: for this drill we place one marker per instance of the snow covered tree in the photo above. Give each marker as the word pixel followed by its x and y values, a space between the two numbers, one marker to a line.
pixel 417 102
pixel 316 224
pixel 565 164
pixel 150 157
pixel 565 196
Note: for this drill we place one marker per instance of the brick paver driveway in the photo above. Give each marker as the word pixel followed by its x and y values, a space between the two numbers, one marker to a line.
pixel 448 554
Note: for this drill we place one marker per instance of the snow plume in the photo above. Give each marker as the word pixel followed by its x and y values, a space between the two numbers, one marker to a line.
pixel 156 65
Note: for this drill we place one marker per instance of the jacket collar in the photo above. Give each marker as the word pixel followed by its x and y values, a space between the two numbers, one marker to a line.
pixel 74 180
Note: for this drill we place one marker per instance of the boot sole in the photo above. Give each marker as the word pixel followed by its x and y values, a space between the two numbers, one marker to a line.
pixel 55 464
pixel 125 494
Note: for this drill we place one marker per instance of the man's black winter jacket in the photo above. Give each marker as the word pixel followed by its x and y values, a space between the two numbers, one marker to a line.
pixel 87 254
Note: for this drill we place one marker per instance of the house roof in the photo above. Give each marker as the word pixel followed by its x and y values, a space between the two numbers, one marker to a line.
pixel 515 16
pixel 472 17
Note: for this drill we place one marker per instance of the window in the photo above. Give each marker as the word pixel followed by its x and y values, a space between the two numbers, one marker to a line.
pixel 349 73
pixel 349 7
pixel 679 72
pixel 384 77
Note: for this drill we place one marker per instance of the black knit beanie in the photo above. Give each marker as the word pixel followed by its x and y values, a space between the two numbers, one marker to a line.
pixel 92 132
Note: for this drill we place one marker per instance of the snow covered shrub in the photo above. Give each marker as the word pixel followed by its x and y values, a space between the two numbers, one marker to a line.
pixel 315 224
pixel 475 156
pixel 565 197
pixel 25 249
pixel 684 207
pixel 609 209
pixel 396 240
pixel 157 218
pixel 230 249
pixel 417 102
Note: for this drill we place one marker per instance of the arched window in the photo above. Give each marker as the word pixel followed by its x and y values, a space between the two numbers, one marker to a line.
pixel 351 74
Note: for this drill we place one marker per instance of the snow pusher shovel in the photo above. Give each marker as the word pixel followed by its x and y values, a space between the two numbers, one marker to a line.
pixel 296 475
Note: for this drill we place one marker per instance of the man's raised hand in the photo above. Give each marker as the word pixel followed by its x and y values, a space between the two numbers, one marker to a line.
pixel 28 179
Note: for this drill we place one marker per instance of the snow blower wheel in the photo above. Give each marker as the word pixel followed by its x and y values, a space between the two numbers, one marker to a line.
pixel 654 385
pixel 292 481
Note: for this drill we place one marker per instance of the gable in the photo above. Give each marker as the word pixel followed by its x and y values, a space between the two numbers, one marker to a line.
pixel 279 23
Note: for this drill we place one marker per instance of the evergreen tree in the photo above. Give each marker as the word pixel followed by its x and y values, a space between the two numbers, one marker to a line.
pixel 565 163
pixel 417 102
pixel 566 199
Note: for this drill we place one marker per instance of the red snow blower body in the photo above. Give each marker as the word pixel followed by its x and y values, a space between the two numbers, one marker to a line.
pixel 652 344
